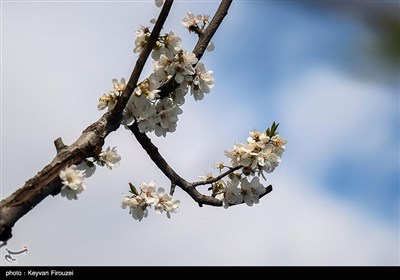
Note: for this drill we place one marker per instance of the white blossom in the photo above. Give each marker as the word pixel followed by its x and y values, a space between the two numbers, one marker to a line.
pixel 167 116
pixel 159 49
pixel 219 165
pixel 142 36
pixel 203 82
pixel 240 155
pixel 149 192
pixel 182 66
pixel 108 100
pixel 172 42
pixel 147 125
pixel 161 66
pixel 137 207
pixel 278 142
pixel 232 194
pixel 251 191
pixel 167 45
pixel 148 197
pixel 72 180
pixel 261 153
pixel 133 110
pixel 178 95
pixel 269 160
pixel 190 20
pixel 146 114
pixel 119 86
pixel 164 202
pixel 204 18
pixel 148 87
pixel 142 110
pixel 109 157
pixel 257 137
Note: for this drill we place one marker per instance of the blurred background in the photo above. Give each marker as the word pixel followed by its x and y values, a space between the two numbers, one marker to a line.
pixel 328 72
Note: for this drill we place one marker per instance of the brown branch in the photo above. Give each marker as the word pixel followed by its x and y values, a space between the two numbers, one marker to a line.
pixel 196 29
pixel 162 164
pixel 59 144
pixel 47 181
pixel 152 151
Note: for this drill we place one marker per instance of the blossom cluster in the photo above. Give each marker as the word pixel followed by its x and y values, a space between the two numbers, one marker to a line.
pixel 262 153
pixel 152 112
pixel 72 176
pixel 170 61
pixel 249 191
pixel 149 196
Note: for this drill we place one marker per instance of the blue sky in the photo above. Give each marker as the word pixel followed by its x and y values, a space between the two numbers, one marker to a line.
pixel 336 192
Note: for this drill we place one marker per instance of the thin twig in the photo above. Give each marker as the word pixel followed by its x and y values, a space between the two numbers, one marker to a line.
pixel 215 179
pixel 59 144
pixel 196 29
pixel 172 190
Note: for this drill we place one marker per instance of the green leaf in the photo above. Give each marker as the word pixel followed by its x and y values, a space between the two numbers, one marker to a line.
pixel 133 189
pixel 273 130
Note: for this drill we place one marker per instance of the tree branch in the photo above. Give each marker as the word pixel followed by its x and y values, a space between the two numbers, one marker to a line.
pixel 189 188
pixel 47 181
pixel 162 164
pixel 196 29
pixel 59 144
